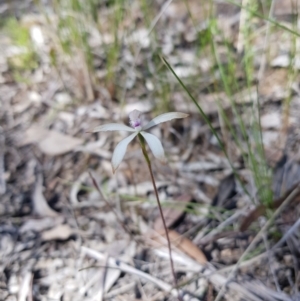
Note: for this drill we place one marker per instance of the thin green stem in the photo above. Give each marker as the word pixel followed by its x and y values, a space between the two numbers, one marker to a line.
pixel 143 146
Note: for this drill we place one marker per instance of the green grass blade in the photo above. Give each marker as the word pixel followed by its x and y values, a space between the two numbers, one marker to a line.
pixel 206 119
pixel 271 20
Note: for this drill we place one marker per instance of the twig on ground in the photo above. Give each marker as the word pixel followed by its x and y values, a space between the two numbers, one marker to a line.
pixel 216 279
pixel 287 235
pixel 265 292
pixel 244 263
pixel 114 263
pixel 205 239
pixel 267 247
pixel 25 287
pixel 104 275
pixel 83 290
pixel 121 290
pixel 213 276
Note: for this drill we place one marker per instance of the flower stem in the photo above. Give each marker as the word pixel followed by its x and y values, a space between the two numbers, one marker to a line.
pixel 143 146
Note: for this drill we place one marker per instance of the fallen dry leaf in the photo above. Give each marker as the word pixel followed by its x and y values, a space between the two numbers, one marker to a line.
pixel 56 143
pixel 185 245
pixel 50 142
pixel 33 134
pixel 60 232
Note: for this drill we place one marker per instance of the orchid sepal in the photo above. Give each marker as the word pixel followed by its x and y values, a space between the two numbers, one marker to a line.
pixel 163 118
pixel 155 145
pixel 113 127
pixel 120 151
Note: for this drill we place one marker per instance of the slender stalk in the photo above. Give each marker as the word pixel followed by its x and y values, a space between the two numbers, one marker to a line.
pixel 143 146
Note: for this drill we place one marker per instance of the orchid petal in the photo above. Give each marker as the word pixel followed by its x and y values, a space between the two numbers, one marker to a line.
pixel 120 151
pixel 155 145
pixel 163 118
pixel 113 127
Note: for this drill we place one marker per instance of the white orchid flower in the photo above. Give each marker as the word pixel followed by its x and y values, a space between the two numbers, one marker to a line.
pixel 137 128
